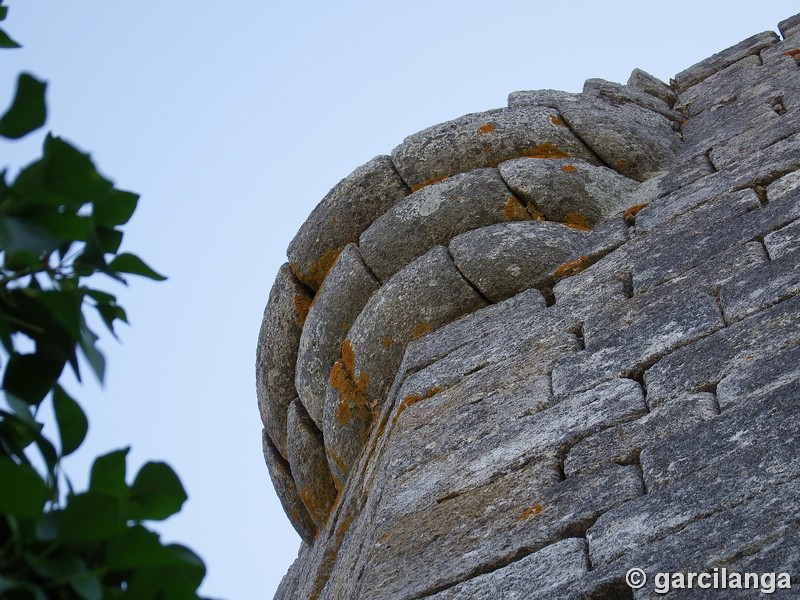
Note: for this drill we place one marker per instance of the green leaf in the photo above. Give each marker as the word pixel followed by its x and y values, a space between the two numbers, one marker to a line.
pixel 30 376
pixel 6 41
pixel 3 13
pixel 130 263
pixel 108 240
pixel 24 492
pixel 9 585
pixel 108 474
pixel 65 307
pixel 156 493
pixel 28 111
pixel 92 354
pixel 88 588
pixel 91 516
pixel 20 234
pixel 115 208
pixel 72 422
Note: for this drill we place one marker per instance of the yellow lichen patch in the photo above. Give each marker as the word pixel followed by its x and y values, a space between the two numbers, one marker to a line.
pixel 344 526
pixel 794 53
pixel 319 270
pixel 556 121
pixel 569 168
pixel 532 511
pixel 514 210
pixel 488 128
pixel 352 393
pixel 419 186
pixel 544 150
pixel 577 221
pixel 302 304
pixel 420 329
pixel 634 210
pixel 412 399
pixel 387 341
pixel 572 267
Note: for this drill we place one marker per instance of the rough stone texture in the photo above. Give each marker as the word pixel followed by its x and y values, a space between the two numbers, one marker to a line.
pixel 337 304
pixel 309 465
pixel 347 210
pixel 568 191
pixel 631 397
pixel 276 356
pixel 504 259
pixel 485 140
pixel 435 214
pixel 424 295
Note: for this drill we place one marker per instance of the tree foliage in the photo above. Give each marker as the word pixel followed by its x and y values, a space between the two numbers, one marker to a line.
pixel 60 228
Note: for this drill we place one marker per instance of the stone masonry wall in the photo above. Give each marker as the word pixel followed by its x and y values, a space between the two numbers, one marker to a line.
pixel 540 345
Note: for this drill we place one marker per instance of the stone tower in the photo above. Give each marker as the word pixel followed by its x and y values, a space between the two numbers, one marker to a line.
pixel 538 346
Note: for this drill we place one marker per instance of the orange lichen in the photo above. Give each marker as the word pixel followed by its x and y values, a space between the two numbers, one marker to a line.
pixel 577 221
pixel 532 511
pixel 794 53
pixel 352 393
pixel 302 304
pixel 634 210
pixel 488 128
pixel 420 329
pixel 349 357
pixel 556 121
pixel 315 275
pixel 544 150
pixel 427 182
pixel 344 526
pixel 338 461
pixel 333 221
pixel 387 341
pixel 317 507
pixel 572 267
pixel 569 168
pixel 412 399
pixel 621 164
pixel 514 210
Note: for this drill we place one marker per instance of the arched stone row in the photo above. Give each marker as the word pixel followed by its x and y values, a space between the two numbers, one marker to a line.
pixel 461 215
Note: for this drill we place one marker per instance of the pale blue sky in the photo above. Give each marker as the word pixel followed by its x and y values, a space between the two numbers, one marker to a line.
pixel 232 120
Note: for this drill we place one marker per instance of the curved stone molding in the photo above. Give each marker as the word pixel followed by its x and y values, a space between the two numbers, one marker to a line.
pixel 563 332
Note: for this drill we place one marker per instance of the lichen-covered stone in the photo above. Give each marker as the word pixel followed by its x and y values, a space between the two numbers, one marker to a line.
pixel 551 98
pixel 435 214
pixel 276 355
pixel 634 141
pixel 569 191
pixel 421 297
pixel 336 305
pixel 649 84
pixel 705 68
pixel 341 216
pixel 286 490
pixel 309 465
pixel 504 259
pixel 621 94
pixel 485 140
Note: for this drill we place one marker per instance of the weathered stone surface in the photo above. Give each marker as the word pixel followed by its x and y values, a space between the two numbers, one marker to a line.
pixel 276 355
pixel 649 84
pixel 722 87
pixel 705 68
pixel 620 94
pixel 678 176
pixel 341 216
pixel 309 465
pixel 633 140
pixel 788 184
pixel 451 465
pixel 761 286
pixel 551 98
pixel 337 304
pixel 756 378
pixel 701 365
pixel 524 510
pixel 568 191
pixel 754 447
pixel 549 573
pixel 434 215
pixel 728 153
pixel 504 259
pixel 784 241
pixel 626 339
pixel 286 490
pixel 788 27
pixel 422 296
pixel 623 443
pixel 485 140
